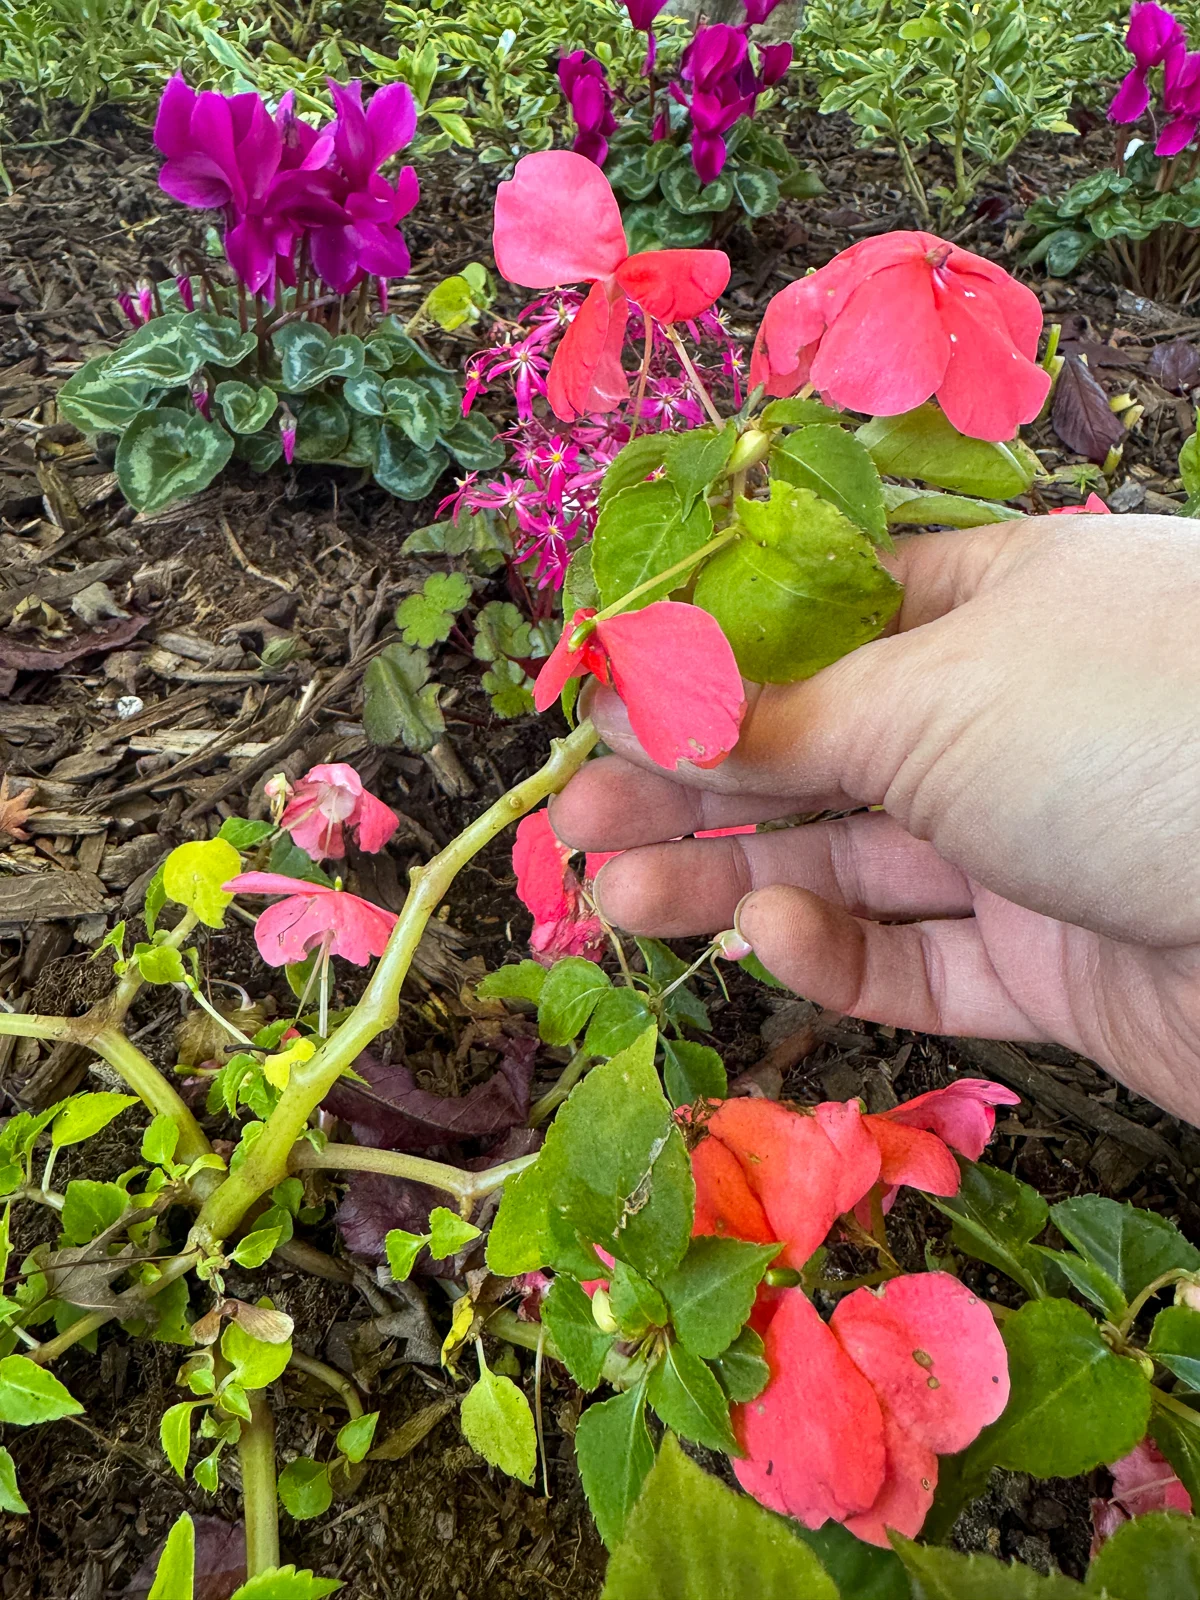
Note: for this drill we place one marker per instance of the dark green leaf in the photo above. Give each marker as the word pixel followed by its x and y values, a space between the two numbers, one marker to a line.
pixel 1179 1441
pixel 641 532
pixel 663 967
pixel 402 469
pixel 630 175
pixel 800 590
pixel 400 705
pixel 946 1575
pixel 924 507
pixel 741 1368
pixel 309 356
pixel 635 1302
pixel 1155 1557
pixel 220 340
pixel 692 1072
pixel 684 192
pixel 570 994
pixel 862 1571
pixel 691 1538
pixel 924 444
pixel 696 459
pixel 659 226
pixel 614 1452
pixel 995 1216
pixel 473 444
pixel 96 403
pixel 322 428
pixel 798 413
pixel 712 1290
pixel 688 1398
pixel 161 353
pixel 245 409
pixel 567 1314
pixel 410 408
pixel 802 185
pixel 836 466
pixel 259 450
pixel 757 190
pixel 1091 1281
pixel 1175 1341
pixel 1074 1404
pixel 1134 1247
pixel 364 394
pixel 166 455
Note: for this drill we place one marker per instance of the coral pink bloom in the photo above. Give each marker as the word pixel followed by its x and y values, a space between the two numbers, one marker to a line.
pixel 962 1114
pixel 674 669
pixel 558 222
pixel 1092 503
pixel 901 317
pixel 800 1171
pixel 313 917
pixel 546 886
pixel 1143 1481
pixel 857 1411
pixel 329 799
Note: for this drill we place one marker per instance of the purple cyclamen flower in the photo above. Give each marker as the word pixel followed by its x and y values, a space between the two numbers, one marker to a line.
pixel 1154 35
pixel 125 301
pixel 584 82
pixel 201 402
pixel 642 14
pixel 287 435
pixel 1181 98
pixel 145 299
pixel 183 285
pixel 758 11
pixel 773 63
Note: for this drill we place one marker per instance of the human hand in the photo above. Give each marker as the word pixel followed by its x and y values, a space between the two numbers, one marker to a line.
pixel 1031 731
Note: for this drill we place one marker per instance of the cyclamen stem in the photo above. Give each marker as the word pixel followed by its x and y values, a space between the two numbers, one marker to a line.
pixel 260 1506
pixel 332 1379
pixel 311 1081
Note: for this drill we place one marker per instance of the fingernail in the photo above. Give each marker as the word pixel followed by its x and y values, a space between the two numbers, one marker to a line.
pixel 594 891
pixel 739 930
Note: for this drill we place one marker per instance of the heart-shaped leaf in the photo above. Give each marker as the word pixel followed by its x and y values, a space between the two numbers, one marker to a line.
pixel 161 352
pixel 219 339
pixel 322 428
pixel 97 403
pixel 244 408
pixel 473 444
pixel 409 407
pixel 166 455
pixel 308 355
pixel 404 470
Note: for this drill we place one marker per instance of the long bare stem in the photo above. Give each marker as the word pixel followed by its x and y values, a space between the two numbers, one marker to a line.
pixel 267 1162
pixel 685 361
pixel 466 1187
pixel 260 1506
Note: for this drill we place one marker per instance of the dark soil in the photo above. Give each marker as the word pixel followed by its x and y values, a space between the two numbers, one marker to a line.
pixel 317 554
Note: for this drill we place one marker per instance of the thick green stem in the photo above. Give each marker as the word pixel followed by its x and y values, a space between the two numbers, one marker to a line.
pixel 379 1007
pixel 332 1379
pixel 144 1078
pixel 464 1186
pixel 260 1507
pixel 21 1026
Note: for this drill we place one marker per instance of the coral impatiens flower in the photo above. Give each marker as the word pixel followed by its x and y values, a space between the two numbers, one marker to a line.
pixel 326 801
pixel 558 222
pixel 1143 1481
pixel 563 925
pixel 313 917
pixel 901 317
pixel 858 1410
pixel 672 666
pixel 962 1114
pixel 1092 503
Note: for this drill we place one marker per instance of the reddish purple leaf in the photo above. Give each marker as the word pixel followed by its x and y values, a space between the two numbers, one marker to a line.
pixel 1081 416
pixel 391 1113
pixel 220 1561
pixel 1176 365
pixel 26 658
pixel 374 1204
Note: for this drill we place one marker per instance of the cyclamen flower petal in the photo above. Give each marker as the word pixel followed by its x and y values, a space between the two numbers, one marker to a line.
pixel 1154 35
pixel 675 671
pixel 1143 1481
pixel 643 12
pixel 898 318
pixel 962 1114
pixel 312 916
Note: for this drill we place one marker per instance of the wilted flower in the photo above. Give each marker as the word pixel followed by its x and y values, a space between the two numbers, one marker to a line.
pixel 563 923
pixel 326 801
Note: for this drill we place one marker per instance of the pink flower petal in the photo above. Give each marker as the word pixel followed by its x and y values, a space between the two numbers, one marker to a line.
pixel 910 1478
pixel 557 222
pixel 674 285
pixel 1145 1480
pixel 814 1439
pixel 933 1354
pixel 675 670
pixel 961 1114
pixel 845 1126
pixel 376 823
pixel 725 1204
pixel 539 860
pixel 887 350
pixel 586 374
pixel 272 883
pixel 913 1157
pixel 990 388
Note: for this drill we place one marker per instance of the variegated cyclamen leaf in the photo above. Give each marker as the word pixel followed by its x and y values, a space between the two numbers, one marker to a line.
pixel 244 408
pixel 308 355
pixel 410 408
pixel 166 455
pixel 161 352
pixel 221 340
pixel 473 444
pixel 96 403
pixel 322 428
pixel 402 469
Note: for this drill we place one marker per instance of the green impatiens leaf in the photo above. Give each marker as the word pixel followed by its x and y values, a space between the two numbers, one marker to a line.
pixel 1133 1247
pixel 254 1249
pixel 642 531
pixel 800 590
pixel 193 875
pixel 519 1240
pixel 305 1489
pixel 400 705
pixel 995 1216
pixel 1179 1440
pixel 924 444
pixel 355 1437
pixel 159 963
pixel 907 506
pixel 285 1583
pixel 174 1576
pixel 1154 1557
pixel 614 1453
pixel 688 1398
pixel 836 466
pixel 175 1433
pixel 29 1394
pixel 1175 1341
pixel 402 1249
pixel 160 1139
pixel 570 994
pixel 245 409
pixel 741 1368
pixel 1074 1403
pixel 89 1208
pixel 696 459
pixel 497 1422
pixel 448 1233
pixel 584 1347
pixel 427 618
pixel 635 1302
pixel 10 1494
pixel 633 464
pixel 689 1537
pixel 862 1570
pixel 692 1072
pixel 168 454
pixel 946 1575
pixel 85 1114
pixel 255 1362
pixel 620 1018
pixel 711 1291
pixel 524 981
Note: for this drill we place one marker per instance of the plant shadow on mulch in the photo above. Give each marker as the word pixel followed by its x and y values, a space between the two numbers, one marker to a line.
pixel 317 555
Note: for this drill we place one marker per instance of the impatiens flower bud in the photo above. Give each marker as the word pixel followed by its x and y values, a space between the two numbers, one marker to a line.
pixel 602 1313
pixel 731 946
pixel 278 792
pixel 1187 1293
